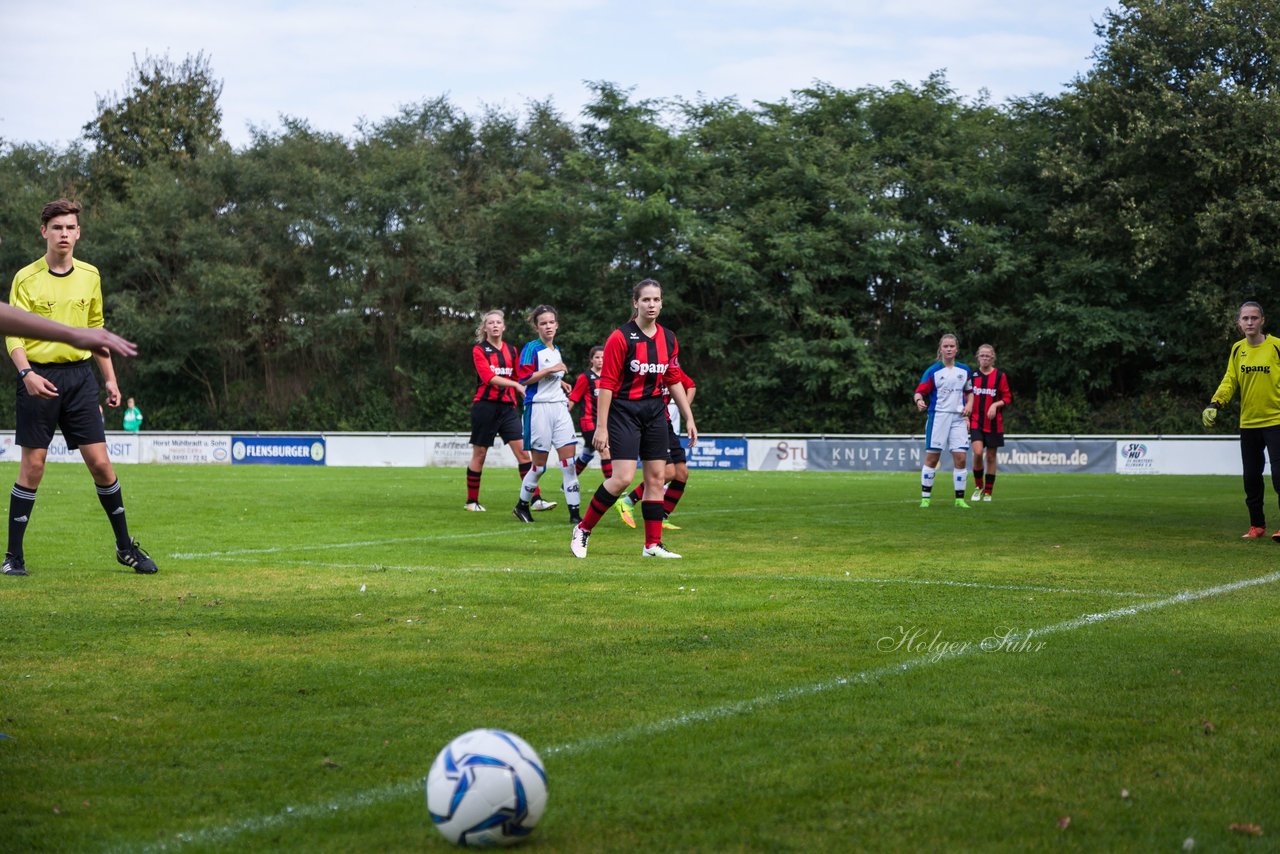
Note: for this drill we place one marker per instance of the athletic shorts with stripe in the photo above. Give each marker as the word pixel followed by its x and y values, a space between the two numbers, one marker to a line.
pixel 946 431
pixel 548 426
pixel 75 411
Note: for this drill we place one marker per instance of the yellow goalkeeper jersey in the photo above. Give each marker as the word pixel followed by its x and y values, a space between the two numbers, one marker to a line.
pixel 1255 371
pixel 74 298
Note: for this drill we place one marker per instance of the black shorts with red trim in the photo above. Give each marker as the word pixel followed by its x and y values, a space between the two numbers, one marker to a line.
pixel 490 418
pixel 76 410
pixel 639 429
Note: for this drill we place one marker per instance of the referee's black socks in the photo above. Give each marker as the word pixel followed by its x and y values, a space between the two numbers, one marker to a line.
pixel 112 501
pixel 21 501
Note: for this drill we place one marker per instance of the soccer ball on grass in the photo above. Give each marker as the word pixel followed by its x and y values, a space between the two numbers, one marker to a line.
pixel 486 787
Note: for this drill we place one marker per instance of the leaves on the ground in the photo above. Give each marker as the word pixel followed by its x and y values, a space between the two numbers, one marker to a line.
pixel 1246 828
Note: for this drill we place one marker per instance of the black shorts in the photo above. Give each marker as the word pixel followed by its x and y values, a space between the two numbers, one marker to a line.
pixel 675 451
pixel 490 418
pixel 639 429
pixel 76 410
pixel 989 439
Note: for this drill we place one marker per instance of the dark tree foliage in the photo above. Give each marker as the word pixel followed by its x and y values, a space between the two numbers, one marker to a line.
pixel 812 250
pixel 167 114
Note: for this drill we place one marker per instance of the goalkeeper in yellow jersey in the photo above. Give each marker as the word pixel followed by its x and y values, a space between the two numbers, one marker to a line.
pixel 1254 369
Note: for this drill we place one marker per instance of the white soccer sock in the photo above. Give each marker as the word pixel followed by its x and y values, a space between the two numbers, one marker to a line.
pixel 960 477
pixel 926 481
pixel 572 492
pixel 530 483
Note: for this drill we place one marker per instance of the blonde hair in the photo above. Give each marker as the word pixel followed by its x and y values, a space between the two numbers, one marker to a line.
pixel 950 335
pixel 480 336
pixel 982 347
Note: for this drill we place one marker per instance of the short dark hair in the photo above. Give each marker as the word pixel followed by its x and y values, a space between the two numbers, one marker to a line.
pixel 59 207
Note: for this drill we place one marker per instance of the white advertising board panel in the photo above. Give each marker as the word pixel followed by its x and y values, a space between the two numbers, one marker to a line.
pixel 1178 456
pixel 194 449
pixel 777 454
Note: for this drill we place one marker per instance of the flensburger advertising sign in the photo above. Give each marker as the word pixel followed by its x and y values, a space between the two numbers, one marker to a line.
pixel 278 450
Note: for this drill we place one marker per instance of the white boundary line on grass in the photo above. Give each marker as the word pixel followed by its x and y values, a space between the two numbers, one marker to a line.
pixel 371 797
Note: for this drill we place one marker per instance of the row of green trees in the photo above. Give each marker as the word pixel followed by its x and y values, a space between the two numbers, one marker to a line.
pixel 813 250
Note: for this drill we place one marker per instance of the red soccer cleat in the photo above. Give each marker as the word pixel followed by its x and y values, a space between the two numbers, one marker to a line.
pixel 1256 533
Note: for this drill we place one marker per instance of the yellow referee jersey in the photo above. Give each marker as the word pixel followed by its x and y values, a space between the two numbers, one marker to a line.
pixel 74 298
pixel 1256 372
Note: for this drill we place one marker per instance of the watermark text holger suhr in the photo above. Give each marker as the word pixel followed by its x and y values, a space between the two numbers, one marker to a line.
pixel 922 642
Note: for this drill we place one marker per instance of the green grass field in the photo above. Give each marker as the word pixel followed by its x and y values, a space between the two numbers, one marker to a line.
pixel 810 677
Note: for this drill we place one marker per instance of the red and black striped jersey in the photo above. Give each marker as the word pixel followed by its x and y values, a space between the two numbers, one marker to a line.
pixel 493 362
pixel 637 366
pixel 676 374
pixel 584 390
pixel 987 389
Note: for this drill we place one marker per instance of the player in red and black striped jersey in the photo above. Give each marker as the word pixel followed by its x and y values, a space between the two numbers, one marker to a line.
pixel 585 392
pixel 493 409
pixel 986 423
pixel 641 365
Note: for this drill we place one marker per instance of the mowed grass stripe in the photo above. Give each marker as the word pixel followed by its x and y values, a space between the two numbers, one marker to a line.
pixel 686 576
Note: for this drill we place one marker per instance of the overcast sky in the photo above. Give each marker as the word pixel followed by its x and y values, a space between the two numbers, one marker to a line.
pixel 333 63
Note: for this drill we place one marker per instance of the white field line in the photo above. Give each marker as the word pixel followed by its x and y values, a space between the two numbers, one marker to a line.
pixel 371 797
pixel 670 577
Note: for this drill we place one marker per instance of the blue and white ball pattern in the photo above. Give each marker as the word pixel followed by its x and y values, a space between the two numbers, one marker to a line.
pixel 487 787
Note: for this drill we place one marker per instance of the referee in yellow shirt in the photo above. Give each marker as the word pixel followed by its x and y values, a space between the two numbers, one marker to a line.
pixel 57 387
pixel 1254 369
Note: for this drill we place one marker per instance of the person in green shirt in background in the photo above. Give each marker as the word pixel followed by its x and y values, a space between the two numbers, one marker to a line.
pixel 132 417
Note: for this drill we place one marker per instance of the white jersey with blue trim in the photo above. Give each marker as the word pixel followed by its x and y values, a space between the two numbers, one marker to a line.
pixel 535 357
pixel 946 387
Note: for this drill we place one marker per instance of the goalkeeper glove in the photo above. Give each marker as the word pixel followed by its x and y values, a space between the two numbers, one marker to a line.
pixel 1209 416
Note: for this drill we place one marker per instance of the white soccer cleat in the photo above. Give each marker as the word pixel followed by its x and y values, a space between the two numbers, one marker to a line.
pixel 977 494
pixel 658 550
pixel 473 507
pixel 542 505
pixel 986 496
pixel 578 542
